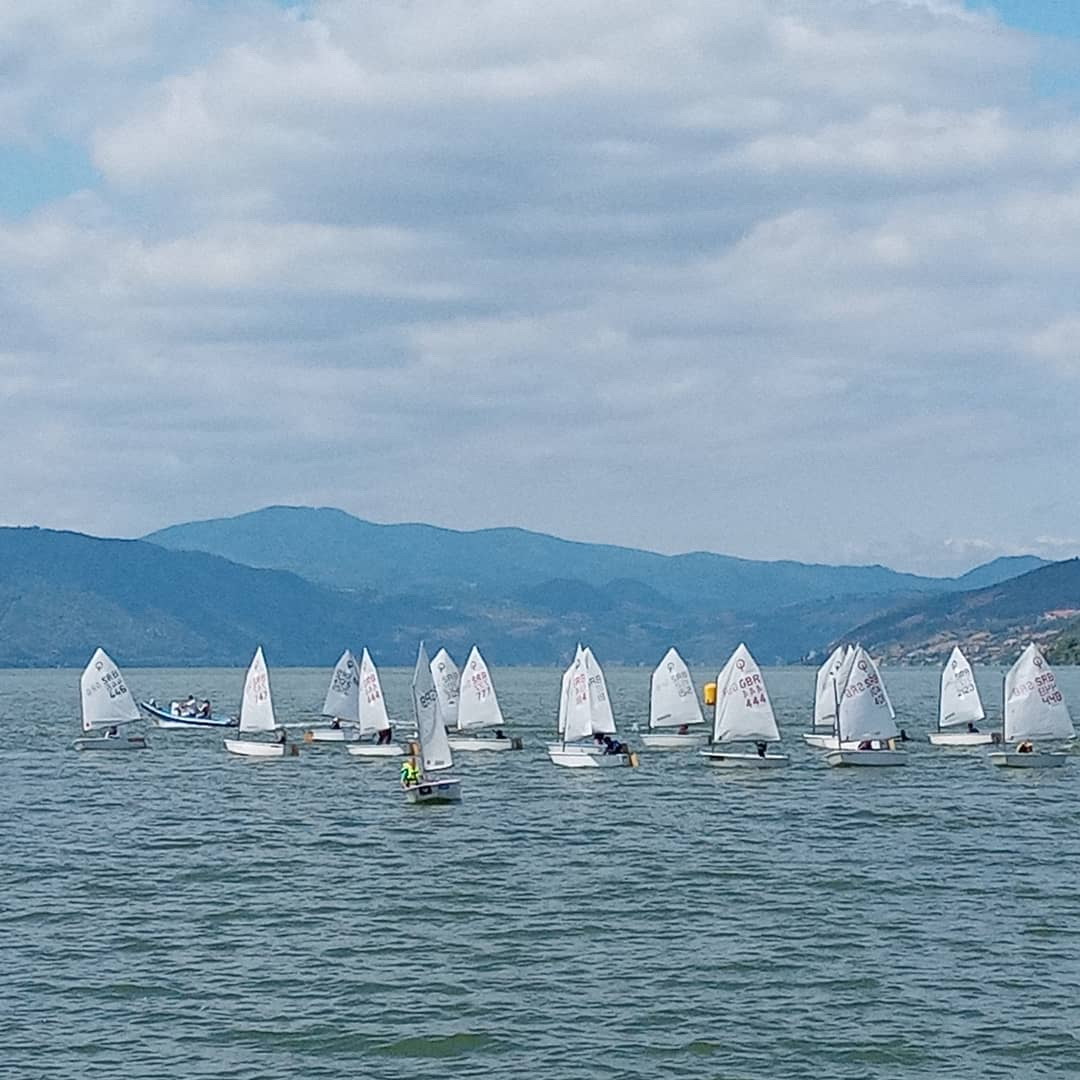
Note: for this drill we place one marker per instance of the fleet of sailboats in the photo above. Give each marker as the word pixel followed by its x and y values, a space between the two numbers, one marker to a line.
pixel 673 704
pixel 849 694
pixel 107 705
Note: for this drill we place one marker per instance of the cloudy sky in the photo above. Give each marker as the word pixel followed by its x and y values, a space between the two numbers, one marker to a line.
pixel 791 279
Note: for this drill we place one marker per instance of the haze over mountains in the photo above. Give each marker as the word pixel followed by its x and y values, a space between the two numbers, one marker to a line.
pixel 305 583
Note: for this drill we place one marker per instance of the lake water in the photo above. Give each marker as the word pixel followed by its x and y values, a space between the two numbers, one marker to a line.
pixel 185 913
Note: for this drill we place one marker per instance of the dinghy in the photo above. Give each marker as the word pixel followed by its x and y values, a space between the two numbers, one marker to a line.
pixel 823 729
pixel 447 685
pixel 864 716
pixel 435 754
pixel 107 703
pixel 372 716
pixel 743 714
pixel 1033 708
pixel 478 710
pixel 959 705
pixel 673 703
pixel 584 713
pixel 342 703
pixel 257 714
pixel 172 719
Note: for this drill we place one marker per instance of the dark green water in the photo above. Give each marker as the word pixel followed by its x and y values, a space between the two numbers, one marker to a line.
pixel 184 913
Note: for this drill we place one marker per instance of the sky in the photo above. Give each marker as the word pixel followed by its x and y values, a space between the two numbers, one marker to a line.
pixel 796 279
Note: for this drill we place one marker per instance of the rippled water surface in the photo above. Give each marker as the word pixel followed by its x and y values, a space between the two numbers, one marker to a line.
pixel 185 913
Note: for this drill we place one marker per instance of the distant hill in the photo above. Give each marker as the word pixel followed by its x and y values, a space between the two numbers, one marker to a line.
pixel 334 548
pixel 991 624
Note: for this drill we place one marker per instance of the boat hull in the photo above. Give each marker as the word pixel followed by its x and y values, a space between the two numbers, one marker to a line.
pixel 375 750
pixel 129 742
pixel 165 719
pixel 330 735
pixel 658 740
pixel 584 757
pixel 826 741
pixel 1036 760
pixel 247 748
pixel 963 738
pixel 872 758
pixel 468 744
pixel 721 760
pixel 444 790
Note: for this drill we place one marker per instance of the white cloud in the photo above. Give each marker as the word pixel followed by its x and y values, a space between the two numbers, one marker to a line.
pixel 777 279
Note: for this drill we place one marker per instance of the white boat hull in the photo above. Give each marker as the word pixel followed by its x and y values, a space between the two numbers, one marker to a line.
pixel 118 742
pixel 873 758
pixel 446 789
pixel 1035 760
pixel 659 740
pixel 469 743
pixel 825 741
pixel 375 750
pixel 963 738
pixel 722 760
pixel 585 757
pixel 247 748
pixel 331 735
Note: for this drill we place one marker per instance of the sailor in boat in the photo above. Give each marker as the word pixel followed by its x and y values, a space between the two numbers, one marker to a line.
pixel 972 729
pixel 281 737
pixel 335 724
pixel 410 773
pixel 385 735
pixel 203 711
pixel 113 733
pixel 613 746
pixel 499 734
pixel 684 729
pixel 903 736
pixel 866 744
pixel 1026 747
pixel 761 747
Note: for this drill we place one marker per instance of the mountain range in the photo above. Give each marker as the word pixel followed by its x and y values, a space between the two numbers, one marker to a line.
pixel 305 583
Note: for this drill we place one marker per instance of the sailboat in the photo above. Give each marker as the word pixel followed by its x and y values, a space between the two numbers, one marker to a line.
pixel 743 714
pixel 822 734
pixel 585 712
pixel 342 703
pixel 372 716
pixel 435 754
pixel 107 703
pixel 864 716
pixel 478 710
pixel 673 703
pixel 447 685
pixel 1033 708
pixel 959 704
pixel 257 714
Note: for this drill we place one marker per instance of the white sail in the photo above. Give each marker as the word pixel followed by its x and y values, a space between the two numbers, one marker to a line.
pixel 825 692
pixel 106 700
pixel 672 698
pixel 743 710
pixel 447 683
pixel 603 720
pixel 430 724
pixel 343 696
pixel 576 710
pixel 562 690
pixel 257 710
pixel 959 701
pixel 865 711
pixel 372 705
pixel 1034 705
pixel 478 707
